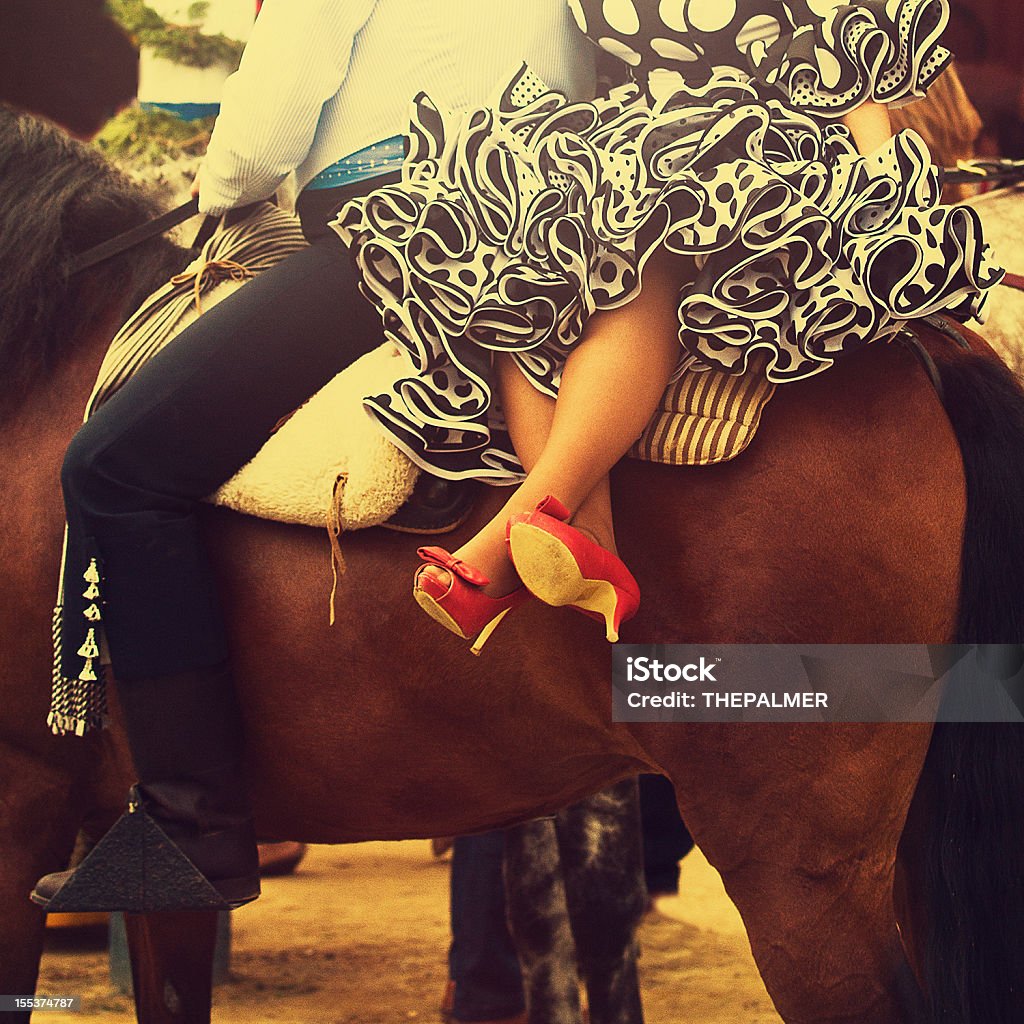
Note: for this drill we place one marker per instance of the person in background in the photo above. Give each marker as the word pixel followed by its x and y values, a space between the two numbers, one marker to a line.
pixel 485 983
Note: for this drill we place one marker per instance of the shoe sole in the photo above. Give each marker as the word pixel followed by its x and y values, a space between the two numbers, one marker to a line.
pixel 437 613
pixel 549 571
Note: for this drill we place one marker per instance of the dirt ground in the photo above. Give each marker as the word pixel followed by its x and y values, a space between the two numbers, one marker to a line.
pixel 359 936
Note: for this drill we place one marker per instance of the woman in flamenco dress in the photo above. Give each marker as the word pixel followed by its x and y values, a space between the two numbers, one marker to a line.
pixel 550 266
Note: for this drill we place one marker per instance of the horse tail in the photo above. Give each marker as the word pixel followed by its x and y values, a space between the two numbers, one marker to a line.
pixel 972 858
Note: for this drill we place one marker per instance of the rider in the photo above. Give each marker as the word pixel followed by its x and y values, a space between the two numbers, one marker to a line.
pixel 728 180
pixel 319 80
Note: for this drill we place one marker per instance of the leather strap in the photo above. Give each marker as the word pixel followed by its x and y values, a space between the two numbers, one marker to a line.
pixel 135 236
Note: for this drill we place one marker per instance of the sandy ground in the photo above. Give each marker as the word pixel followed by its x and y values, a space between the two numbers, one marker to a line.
pixel 359 936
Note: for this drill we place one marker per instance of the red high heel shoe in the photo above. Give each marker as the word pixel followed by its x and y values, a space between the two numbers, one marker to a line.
pixel 561 566
pixel 459 603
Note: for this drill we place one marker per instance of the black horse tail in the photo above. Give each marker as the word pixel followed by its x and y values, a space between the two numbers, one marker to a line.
pixel 973 859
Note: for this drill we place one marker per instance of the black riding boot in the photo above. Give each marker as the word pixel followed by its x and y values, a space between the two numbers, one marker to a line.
pixel 189 811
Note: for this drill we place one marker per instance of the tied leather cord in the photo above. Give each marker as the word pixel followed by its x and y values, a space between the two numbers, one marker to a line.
pixel 218 270
pixel 210 273
pixel 334 530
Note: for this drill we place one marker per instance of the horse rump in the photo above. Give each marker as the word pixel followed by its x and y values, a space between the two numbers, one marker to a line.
pixel 971 879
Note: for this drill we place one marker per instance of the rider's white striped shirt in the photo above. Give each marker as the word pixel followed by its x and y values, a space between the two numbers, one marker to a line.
pixel 321 79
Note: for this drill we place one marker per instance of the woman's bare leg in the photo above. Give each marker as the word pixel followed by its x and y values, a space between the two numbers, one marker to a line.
pixel 604 403
pixel 529 415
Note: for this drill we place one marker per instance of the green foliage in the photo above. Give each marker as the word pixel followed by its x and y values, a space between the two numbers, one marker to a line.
pixel 135 15
pixel 198 10
pixel 182 44
pixel 144 137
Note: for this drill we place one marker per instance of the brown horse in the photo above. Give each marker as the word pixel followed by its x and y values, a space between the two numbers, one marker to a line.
pixel 855 517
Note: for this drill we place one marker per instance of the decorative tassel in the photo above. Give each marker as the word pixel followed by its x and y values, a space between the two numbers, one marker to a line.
pixel 57 719
pixel 92 577
pixel 89 650
pixel 92 613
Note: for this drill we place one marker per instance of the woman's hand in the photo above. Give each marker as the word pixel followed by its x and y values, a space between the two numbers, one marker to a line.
pixel 870 126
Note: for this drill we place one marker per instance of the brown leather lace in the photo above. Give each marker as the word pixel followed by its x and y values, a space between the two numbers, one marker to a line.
pixel 210 273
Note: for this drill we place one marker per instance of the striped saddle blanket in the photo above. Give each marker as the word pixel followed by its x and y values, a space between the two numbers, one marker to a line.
pixel 329 464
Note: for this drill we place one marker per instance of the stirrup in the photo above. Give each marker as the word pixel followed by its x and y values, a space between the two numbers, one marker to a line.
pixel 136 868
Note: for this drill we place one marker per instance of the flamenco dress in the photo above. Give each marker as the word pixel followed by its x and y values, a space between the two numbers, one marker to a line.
pixel 515 222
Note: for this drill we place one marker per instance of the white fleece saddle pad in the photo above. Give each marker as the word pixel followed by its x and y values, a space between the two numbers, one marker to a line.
pixel 328 464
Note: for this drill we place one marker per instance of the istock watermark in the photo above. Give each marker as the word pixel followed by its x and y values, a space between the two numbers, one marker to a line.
pixel 818 683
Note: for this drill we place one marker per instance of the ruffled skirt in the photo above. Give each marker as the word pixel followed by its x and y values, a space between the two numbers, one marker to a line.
pixel 513 224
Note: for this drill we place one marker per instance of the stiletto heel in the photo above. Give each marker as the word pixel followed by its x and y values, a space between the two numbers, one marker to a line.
pixel 459 603
pixel 561 566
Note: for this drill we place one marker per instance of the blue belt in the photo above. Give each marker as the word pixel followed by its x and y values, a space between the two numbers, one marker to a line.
pixel 380 158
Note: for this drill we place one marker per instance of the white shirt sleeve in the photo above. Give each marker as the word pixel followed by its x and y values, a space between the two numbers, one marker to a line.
pixel 295 60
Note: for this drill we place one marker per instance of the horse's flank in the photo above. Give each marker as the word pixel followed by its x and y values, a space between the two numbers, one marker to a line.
pixel 747 563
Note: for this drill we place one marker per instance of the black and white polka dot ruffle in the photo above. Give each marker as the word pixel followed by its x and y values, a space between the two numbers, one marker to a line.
pixel 822 55
pixel 514 223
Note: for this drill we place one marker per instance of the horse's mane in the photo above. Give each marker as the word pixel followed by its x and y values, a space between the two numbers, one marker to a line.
pixel 58 198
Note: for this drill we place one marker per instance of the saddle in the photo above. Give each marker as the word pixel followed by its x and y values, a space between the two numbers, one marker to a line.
pixel 329 464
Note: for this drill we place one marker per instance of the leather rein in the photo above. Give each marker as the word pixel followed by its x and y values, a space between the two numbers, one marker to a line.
pixel 143 233
pixel 1015 281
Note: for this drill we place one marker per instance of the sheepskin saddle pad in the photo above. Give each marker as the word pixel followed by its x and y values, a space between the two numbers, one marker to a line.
pixel 329 464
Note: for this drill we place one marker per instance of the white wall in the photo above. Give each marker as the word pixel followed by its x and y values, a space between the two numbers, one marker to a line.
pixel 160 81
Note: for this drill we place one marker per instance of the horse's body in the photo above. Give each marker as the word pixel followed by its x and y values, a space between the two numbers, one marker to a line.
pixel 844 522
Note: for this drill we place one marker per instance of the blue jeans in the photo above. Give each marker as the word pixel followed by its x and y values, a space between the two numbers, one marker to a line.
pixel 482 960
pixel 136 472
